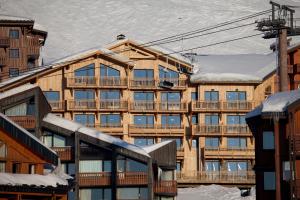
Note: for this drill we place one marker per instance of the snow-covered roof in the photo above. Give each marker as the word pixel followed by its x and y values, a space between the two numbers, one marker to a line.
pixel 17 90
pixel 14 18
pixel 232 68
pixel 156 48
pixel 39 27
pixel 154 147
pixel 77 127
pixel 32 180
pixel 276 103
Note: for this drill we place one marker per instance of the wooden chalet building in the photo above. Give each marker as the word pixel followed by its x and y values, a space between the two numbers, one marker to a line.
pixel 28 168
pixel 21 40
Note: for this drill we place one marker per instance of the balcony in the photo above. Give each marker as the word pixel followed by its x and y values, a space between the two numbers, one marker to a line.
pixel 172 107
pixel 111 128
pixel 156 130
pixel 3 60
pixel 4 42
pixel 132 178
pixel 113 105
pixel 95 179
pixel 180 153
pixel 221 130
pixel 238 106
pixel 206 106
pixel 207 130
pixel 178 83
pixel 65 153
pixel 143 106
pixel 82 81
pixel 27 122
pixel 222 106
pixel 217 177
pixel 33 46
pixel 295 144
pixel 166 188
pixel 229 153
pixel 82 104
pixel 143 83
pixel 112 82
pixel 236 130
pixel 57 105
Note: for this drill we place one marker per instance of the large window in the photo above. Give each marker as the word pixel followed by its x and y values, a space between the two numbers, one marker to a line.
pixel 85 119
pixel 108 71
pixel 269 181
pixel 194 96
pixel 143 73
pixel 234 166
pixel 84 94
pixel 211 96
pixel 144 120
pixel 88 70
pixel 212 119
pixel 110 120
pixel 171 121
pixel 212 165
pixel 53 140
pixel 110 94
pixel 236 143
pixel 14 34
pixel 143 96
pixel 95 194
pixel 13 72
pixel 87 166
pixel 170 97
pixel 128 165
pixel 14 53
pixel 144 141
pixel 52 95
pixel 236 96
pixel 268 140
pixel 236 119
pixel 2 167
pixel 132 193
pixel 165 73
pixel 178 142
pixel 195 119
pixel 212 142
pixel 21 109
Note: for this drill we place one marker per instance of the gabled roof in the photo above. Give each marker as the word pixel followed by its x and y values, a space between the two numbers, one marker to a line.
pixel 10 18
pixel 27 139
pixel 17 90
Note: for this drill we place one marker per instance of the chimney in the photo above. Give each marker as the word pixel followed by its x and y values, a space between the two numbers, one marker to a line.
pixel 121 37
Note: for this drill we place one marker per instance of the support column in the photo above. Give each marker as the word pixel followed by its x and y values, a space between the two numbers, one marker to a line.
pixel 114 175
pixel 282 71
pixel 277 159
pixel 150 179
pixel 77 158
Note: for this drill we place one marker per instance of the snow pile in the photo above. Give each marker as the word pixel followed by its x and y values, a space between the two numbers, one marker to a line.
pixel 212 192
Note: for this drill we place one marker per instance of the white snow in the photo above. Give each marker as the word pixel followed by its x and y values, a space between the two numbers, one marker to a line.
pixel 14 18
pixel 62 122
pixel 39 27
pixel 32 179
pixel 223 77
pixel 212 192
pixel 154 147
pixel 17 90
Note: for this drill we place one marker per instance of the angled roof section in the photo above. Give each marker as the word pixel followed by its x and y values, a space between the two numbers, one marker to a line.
pixel 17 90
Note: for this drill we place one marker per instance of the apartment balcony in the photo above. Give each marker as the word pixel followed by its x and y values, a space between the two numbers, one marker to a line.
pixel 3 60
pixel 206 106
pixel 207 130
pixel 176 107
pixel 94 179
pixel 82 81
pixel 239 178
pixel 110 128
pixel 238 106
pixel 172 83
pixel 236 130
pixel 229 153
pixel 113 105
pixel 180 153
pixel 82 104
pixel 143 83
pixel 33 46
pixel 221 130
pixel 168 188
pixel 132 178
pixel 4 42
pixel 143 106
pixel 27 121
pixel 58 106
pixel 222 106
pixel 65 153
pixel 113 82
pixel 295 144
pixel 156 130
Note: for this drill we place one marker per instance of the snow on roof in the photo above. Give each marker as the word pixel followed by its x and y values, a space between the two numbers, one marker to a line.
pixel 39 27
pixel 154 147
pixel 26 132
pixel 74 126
pixel 247 67
pixel 276 103
pixel 17 90
pixel 31 179
pixel 156 48
pixel 14 18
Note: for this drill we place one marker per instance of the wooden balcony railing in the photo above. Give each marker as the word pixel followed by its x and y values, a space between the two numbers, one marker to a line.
pixel 4 42
pixel 132 178
pixel 57 105
pixel 65 153
pixel 236 130
pixel 143 83
pixel 3 60
pixel 221 130
pixel 166 187
pixel 221 106
pixel 95 179
pixel 180 153
pixel 232 152
pixel 163 129
pixel 238 105
pixel 112 128
pixel 178 83
pixel 112 81
pixel 82 104
pixel 82 81
pixel 172 107
pixel 27 122
pixel 217 177
pixel 143 106
pixel 113 104
pixel 207 129
pixel 206 106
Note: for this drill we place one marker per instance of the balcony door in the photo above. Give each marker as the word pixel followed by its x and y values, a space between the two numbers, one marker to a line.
pixel 109 75
pixel 85 98
pixel 170 101
pixel 85 75
pixel 85 119
pixel 144 100
pixel 144 121
pixel 171 121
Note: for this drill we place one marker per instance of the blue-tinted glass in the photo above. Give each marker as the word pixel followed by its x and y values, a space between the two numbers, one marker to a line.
pixel 178 166
pixel 236 119
pixel 242 166
pixel 242 95
pixel 143 141
pixel 143 119
pixel 211 119
pixel 242 119
pixel 167 73
pixel 211 142
pixel 174 119
pixel 108 71
pixel 84 94
pixel 194 96
pixel 143 96
pixel 52 95
pixel 110 119
pixel 88 70
pixel 113 94
pixel 235 96
pixel 88 119
pixel 107 194
pixel 178 141
pixel 232 166
pixel 211 95
pixel 107 166
pixel 143 73
pixel 212 166
pixel 194 119
pixel 170 96
pixel 134 166
pixel 236 142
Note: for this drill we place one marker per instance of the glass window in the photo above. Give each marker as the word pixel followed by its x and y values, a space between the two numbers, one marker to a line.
pixel 143 96
pixel 178 166
pixel 3 149
pixel 84 94
pixel 88 70
pixel 13 72
pixel 143 141
pixel 143 73
pixel 144 119
pixel 130 166
pixel 132 193
pixel 112 94
pixel 170 96
pixel 107 165
pixel 211 96
pixel 85 119
pixel 108 71
pixel 110 119
pixel 17 110
pixel 211 119
pixel 269 181
pixel 236 119
pixel 194 96
pixel 90 166
pixel 14 53
pixel 194 119
pixel 236 166
pixel 178 141
pixel 14 34
pixel 194 143
pixel 212 142
pixel 236 96
pixel 167 73
pixel 2 167
pixel 212 166
pixel 268 140
pixel 236 143
pixel 53 140
pixel 71 168
pixel 95 194
pixel 52 95
pixel 171 120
